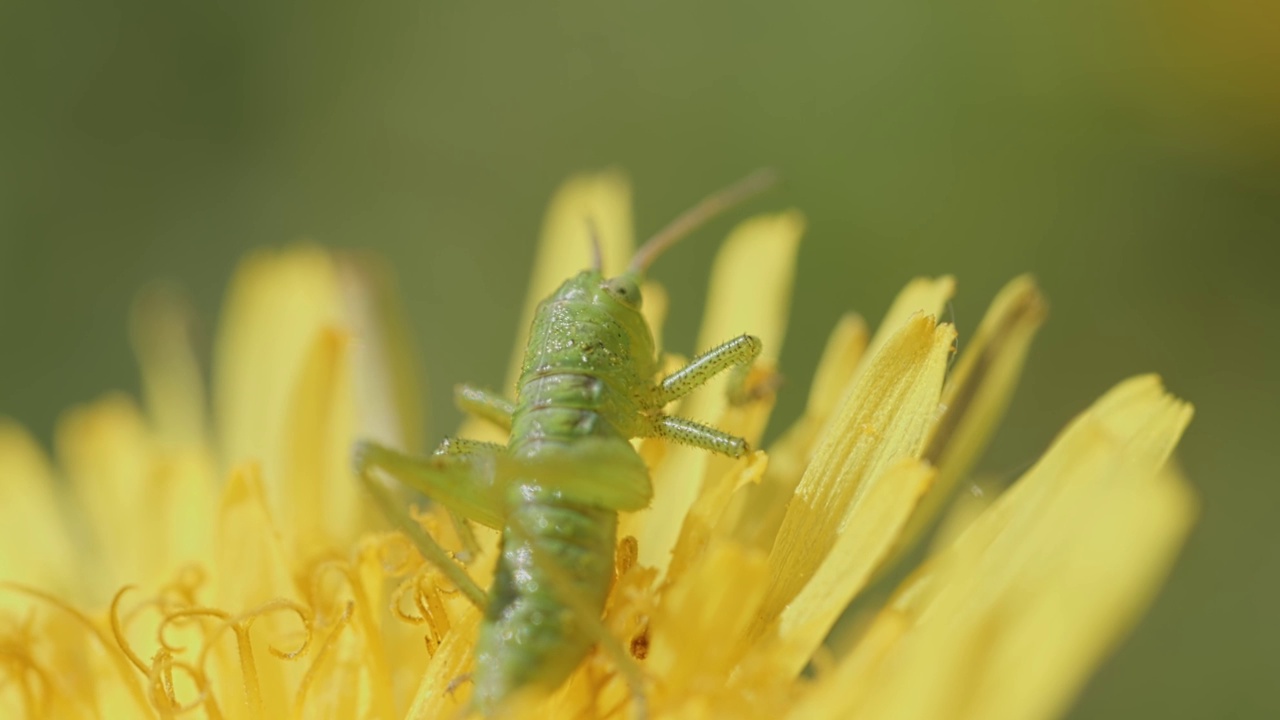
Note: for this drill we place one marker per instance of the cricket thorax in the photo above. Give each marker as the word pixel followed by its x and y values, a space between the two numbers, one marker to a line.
pixel 589 365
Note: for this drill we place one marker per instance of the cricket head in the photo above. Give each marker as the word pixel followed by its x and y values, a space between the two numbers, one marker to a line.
pixel 616 295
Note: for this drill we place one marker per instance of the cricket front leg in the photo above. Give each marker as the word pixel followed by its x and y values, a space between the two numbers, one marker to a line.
pixel 484 404
pixel 737 353
pixel 688 432
pixel 463 483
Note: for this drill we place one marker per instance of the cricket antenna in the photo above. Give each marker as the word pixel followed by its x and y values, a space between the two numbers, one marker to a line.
pixel 597 255
pixel 691 219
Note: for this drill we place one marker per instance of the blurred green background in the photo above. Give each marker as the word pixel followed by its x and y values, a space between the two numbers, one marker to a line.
pixel 1126 153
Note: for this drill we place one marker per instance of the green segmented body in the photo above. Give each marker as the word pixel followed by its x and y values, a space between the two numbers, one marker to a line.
pixel 586 383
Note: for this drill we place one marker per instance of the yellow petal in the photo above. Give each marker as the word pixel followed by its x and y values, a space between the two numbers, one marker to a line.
pixel 184 489
pixel 277 303
pixel 386 368
pixel 847 686
pixel 1107 579
pixel 844 350
pixel 693 646
pixel 707 511
pixel 109 460
pixel 444 691
pixel 884 419
pixel 873 526
pixel 978 393
pixel 160 326
pixel 927 296
pixel 750 293
pixel 1009 620
pixel 251 570
pixel 656 302
pixel 250 563
pixel 757 513
pixel 325 503
pixel 35 545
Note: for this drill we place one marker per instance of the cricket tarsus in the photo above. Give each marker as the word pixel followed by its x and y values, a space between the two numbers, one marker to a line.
pixel 554 490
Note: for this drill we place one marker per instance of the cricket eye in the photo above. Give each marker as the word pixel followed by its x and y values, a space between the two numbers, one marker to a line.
pixel 625 290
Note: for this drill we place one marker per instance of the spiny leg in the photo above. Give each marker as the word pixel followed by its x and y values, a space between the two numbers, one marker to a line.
pixel 739 352
pixel 466 446
pixel 688 432
pixel 484 404
pixel 590 618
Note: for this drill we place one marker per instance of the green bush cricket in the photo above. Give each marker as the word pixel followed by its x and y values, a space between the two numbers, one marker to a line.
pixel 555 489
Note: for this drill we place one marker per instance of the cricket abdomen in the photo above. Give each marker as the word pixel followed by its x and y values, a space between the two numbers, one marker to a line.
pixel 557 562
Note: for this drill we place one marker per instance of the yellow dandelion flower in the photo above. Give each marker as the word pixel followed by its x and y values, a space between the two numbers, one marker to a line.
pixel 171 565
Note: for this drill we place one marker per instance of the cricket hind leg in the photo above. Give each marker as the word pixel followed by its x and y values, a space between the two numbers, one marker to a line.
pixel 462 483
pixel 465 446
pixel 738 354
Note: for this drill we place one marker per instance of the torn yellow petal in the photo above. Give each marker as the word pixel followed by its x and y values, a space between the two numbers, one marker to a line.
pixel 564 246
pixel 160 328
pixel 1054 570
pixel 750 293
pixel 35 546
pixel 870 532
pixel 978 393
pixel 756 514
pixel 883 420
pixel 927 296
pixel 325 503
pixel 277 302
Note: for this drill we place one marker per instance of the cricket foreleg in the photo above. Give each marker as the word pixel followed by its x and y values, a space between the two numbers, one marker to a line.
pixel 484 405
pixel 688 432
pixel 738 353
